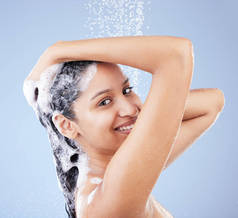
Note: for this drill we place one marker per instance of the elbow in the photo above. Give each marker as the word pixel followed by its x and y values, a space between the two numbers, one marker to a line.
pixel 190 51
pixel 186 48
pixel 217 102
pixel 220 99
pixel 187 54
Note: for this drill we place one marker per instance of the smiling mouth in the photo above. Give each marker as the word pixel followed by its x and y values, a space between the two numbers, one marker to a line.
pixel 125 130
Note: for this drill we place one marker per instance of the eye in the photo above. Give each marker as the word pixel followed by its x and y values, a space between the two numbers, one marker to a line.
pixel 102 103
pixel 129 88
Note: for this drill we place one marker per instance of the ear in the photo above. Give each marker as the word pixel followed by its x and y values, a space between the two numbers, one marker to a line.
pixel 65 126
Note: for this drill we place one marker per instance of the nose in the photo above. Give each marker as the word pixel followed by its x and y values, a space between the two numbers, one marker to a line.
pixel 128 108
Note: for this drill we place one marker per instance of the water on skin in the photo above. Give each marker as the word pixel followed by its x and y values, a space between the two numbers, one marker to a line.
pixel 90 196
pixel 94 180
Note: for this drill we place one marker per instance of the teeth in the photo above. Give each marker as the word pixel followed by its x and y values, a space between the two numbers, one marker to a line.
pixel 126 127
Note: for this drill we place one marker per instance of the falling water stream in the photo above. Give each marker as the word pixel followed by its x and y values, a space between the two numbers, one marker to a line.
pixel 109 18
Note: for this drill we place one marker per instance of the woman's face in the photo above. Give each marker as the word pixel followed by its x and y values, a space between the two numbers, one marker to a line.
pixel 99 115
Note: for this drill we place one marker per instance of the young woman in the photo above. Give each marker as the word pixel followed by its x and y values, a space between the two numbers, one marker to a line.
pixel 110 149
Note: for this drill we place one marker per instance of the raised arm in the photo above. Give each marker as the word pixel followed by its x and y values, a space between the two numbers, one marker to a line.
pixel 144 52
pixel 134 169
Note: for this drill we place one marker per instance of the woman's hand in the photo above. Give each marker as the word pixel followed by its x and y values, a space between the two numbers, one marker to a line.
pixel 47 59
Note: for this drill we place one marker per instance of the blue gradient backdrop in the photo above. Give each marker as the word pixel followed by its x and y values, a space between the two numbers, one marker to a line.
pixel 200 183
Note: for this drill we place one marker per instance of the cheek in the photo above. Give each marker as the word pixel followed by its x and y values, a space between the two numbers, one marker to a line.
pixel 102 132
pixel 101 122
pixel 104 121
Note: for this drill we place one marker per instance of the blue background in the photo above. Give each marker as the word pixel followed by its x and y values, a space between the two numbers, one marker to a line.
pixel 200 183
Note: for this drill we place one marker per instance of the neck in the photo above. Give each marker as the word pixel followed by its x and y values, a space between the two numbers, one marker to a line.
pixel 97 164
pixel 97 161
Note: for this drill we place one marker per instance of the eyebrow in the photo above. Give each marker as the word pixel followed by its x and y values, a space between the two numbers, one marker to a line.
pixel 107 90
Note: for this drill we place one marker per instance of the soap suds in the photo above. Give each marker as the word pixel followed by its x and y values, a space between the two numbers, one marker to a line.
pixel 84 82
pixel 43 86
pixel 96 180
pixel 54 94
pixel 29 91
pixel 84 170
pixel 79 205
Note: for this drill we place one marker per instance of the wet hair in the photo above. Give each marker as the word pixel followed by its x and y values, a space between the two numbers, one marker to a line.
pixel 63 91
